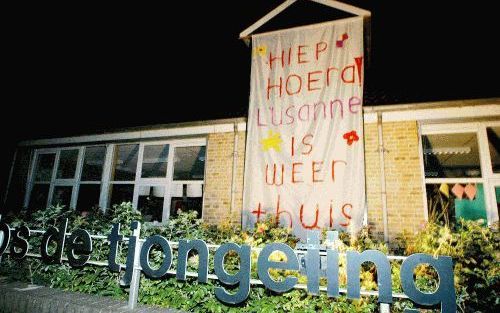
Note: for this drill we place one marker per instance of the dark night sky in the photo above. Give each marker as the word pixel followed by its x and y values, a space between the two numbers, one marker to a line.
pixel 79 69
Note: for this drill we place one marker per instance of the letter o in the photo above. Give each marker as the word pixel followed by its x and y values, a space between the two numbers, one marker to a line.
pixel 146 249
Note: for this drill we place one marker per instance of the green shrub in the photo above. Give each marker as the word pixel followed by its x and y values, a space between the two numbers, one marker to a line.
pixel 474 250
pixel 476 255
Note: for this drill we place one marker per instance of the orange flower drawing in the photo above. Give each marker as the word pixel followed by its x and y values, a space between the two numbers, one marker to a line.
pixel 351 137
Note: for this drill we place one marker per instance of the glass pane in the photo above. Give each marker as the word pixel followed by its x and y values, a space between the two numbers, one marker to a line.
pixel 154 161
pixel 494 144
pixel 125 162
pixel 497 196
pixel 88 197
pixel 67 164
pixel 62 195
pixel 39 196
pixel 451 155
pixel 186 197
pixel 120 194
pixel 151 202
pixel 44 167
pixel 93 163
pixel 189 163
pixel 447 203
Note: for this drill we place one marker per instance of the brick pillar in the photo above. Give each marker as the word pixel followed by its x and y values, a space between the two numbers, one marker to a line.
pixel 218 178
pixel 405 207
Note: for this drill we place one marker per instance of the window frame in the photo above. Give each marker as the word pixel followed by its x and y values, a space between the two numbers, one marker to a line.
pixel 54 181
pixel 488 177
pixel 105 182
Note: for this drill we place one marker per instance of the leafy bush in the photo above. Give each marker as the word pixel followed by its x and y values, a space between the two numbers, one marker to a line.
pixel 473 248
pixel 476 255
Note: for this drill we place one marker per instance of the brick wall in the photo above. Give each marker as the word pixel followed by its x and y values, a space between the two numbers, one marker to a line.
pixel 218 177
pixel 403 178
pixel 402 169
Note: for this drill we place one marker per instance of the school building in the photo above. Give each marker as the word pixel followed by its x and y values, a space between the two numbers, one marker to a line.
pixel 416 157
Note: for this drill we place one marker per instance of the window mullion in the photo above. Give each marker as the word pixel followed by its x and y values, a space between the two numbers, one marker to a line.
pixel 31 177
pixel 168 186
pixel 138 172
pixel 106 176
pixel 53 178
pixel 78 175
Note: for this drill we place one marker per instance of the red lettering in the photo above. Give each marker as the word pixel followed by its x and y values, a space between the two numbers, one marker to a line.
pixel 315 224
pixel 307 143
pixel 316 170
pixel 354 102
pixel 288 89
pixel 331 215
pixel 333 167
pixel 359 67
pixel 294 171
pixel 300 112
pixel 344 71
pixel 274 175
pixel 319 105
pixel 272 59
pixel 293 145
pixel 300 53
pixel 330 69
pixel 270 87
pixel 287 113
pixel 273 116
pixel 339 104
pixel 346 215
pixel 258 212
pixel 320 47
pixel 310 80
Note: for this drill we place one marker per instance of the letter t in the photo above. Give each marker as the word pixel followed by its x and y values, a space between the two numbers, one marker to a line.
pixel 114 238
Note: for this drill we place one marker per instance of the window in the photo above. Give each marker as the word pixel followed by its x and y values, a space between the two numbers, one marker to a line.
pixel 186 197
pixel 88 197
pixel 189 163
pixel 158 178
pixel 123 174
pixel 121 193
pixel 187 188
pixel 89 191
pixel 55 178
pixel 125 162
pixel 39 197
pixel 93 163
pixel 451 155
pixel 154 161
pixel 460 163
pixel 62 195
pixel 67 164
pixel 494 147
pixel 447 203
pixel 150 203
pixel 44 167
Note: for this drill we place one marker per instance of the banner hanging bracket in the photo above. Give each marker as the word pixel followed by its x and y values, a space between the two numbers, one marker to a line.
pixel 246 34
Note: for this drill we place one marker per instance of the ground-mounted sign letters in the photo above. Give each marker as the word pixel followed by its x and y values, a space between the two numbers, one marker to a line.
pixel 304 162
pixel 78 249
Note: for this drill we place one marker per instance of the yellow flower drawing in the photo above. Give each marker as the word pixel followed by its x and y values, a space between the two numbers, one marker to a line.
pixel 273 141
pixel 260 50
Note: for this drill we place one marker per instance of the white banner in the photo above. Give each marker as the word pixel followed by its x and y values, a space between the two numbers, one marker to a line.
pixel 305 160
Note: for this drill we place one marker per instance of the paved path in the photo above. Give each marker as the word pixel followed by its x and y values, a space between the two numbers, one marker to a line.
pixel 23 298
